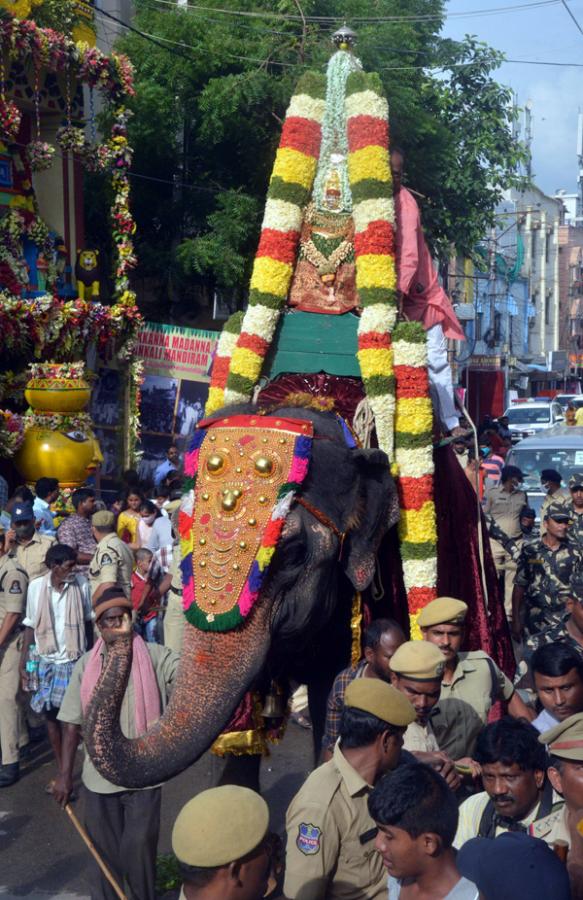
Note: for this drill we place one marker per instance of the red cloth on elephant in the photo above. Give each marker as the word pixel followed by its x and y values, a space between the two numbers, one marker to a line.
pixel 345 391
pixel 458 562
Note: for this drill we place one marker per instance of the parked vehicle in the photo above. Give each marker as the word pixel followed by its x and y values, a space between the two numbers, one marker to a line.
pixel 531 416
pixel 559 448
pixel 565 399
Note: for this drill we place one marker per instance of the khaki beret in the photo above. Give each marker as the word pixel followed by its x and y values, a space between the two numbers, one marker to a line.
pixel 442 610
pixel 220 826
pixel 103 519
pixel 419 660
pixel 566 738
pixel 558 512
pixel 374 696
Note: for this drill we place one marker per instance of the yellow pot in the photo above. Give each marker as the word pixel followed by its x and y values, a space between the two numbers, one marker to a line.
pixel 61 395
pixel 69 457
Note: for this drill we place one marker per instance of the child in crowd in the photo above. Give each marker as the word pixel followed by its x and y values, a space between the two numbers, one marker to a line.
pixel 145 595
pixel 416 814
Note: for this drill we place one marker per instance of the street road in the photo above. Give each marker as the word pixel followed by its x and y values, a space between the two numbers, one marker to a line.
pixel 41 854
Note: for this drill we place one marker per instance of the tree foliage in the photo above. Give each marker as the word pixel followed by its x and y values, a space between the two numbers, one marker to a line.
pixel 212 90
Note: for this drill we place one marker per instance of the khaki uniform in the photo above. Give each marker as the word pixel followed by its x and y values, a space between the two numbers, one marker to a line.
pixel 112 561
pixel 553 827
pixel 420 738
pixel 31 556
pixel 13 587
pixel 330 838
pixel 174 616
pixel 505 508
pixel 465 702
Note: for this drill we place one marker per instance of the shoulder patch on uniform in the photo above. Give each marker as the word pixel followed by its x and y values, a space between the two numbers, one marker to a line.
pixel 308 839
pixel 15 587
pixel 106 560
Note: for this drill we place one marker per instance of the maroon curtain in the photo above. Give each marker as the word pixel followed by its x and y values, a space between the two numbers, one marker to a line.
pixel 458 562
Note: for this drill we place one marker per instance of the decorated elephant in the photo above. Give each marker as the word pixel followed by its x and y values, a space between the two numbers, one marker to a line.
pixel 281 509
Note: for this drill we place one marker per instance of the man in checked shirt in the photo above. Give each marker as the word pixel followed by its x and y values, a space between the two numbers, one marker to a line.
pixel 381 639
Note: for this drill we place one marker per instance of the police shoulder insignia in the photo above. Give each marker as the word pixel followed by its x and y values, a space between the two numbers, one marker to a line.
pixel 308 839
pixel 15 587
pixel 106 560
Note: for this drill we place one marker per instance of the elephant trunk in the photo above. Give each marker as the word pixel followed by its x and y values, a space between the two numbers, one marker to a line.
pixel 214 672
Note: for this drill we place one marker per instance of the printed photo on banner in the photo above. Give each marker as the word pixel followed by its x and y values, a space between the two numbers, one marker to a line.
pixel 106 399
pixel 190 410
pixel 158 403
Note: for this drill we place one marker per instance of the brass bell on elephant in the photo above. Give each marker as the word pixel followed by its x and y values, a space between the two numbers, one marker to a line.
pixel 274 706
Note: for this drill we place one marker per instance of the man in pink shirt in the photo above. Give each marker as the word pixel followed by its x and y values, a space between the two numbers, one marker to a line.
pixel 422 297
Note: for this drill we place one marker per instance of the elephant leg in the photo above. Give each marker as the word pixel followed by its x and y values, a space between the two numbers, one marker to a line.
pixel 318 691
pixel 243 771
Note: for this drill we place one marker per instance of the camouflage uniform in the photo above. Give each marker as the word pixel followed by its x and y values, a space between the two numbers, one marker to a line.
pixel 544 573
pixel 551 635
pixel 576 528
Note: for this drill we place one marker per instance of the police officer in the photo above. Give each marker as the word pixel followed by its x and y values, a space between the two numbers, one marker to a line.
pixel 330 834
pixel 575 507
pixel 504 503
pixel 471 681
pixel 565 772
pixel 25 543
pixel 13 587
pixel 113 561
pixel 174 615
pixel 221 843
pixel 544 569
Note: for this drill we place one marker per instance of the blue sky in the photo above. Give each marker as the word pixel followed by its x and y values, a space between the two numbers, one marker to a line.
pixel 536 33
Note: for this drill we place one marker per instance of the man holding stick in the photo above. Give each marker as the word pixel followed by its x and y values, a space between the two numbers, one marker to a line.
pixel 122 824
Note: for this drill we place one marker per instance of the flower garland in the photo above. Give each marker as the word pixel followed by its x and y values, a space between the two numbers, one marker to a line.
pixel 374 224
pixel 220 369
pixel 40 155
pixel 11 433
pixel 289 191
pixel 74 371
pixel 80 421
pixel 66 330
pixel 270 539
pixel 414 469
pixel 10 117
pixel 13 225
pixel 113 76
pixel 136 380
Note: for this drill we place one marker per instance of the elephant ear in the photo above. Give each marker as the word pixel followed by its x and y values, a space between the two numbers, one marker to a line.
pixel 377 510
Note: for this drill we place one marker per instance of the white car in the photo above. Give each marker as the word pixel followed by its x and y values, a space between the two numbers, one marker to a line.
pixel 533 416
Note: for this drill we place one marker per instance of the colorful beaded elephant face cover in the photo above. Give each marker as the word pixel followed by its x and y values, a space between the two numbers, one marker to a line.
pixel 244 472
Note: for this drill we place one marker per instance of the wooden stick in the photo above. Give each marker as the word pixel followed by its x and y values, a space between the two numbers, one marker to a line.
pixel 91 847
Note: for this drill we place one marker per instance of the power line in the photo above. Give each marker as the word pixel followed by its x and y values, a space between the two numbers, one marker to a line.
pixel 578 26
pixel 516 7
pixel 268 61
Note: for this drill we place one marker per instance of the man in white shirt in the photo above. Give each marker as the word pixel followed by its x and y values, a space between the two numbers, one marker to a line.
pixel 58 622
pixel 517 792
pixel 47 491
pixel 557 673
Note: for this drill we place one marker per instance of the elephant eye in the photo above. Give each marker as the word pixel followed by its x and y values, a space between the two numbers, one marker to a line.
pixel 216 464
pixel 263 466
pixel 77 436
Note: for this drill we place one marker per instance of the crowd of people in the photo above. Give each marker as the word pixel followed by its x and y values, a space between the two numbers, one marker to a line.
pixel 440 776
